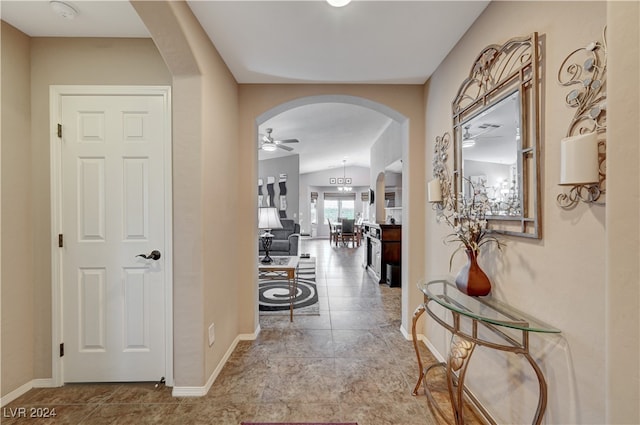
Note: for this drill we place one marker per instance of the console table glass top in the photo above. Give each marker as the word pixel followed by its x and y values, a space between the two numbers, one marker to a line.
pixel 493 315
pixel 485 309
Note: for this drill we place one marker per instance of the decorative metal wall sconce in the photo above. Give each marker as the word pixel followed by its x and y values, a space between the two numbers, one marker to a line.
pixel 583 151
pixel 439 189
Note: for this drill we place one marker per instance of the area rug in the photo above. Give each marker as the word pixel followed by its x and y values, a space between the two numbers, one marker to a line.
pixel 299 423
pixel 274 292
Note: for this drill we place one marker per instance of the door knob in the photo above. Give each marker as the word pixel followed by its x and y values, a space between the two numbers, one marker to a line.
pixel 155 255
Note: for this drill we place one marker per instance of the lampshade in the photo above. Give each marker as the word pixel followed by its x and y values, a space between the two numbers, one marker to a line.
pixel 579 159
pixel 435 191
pixel 269 218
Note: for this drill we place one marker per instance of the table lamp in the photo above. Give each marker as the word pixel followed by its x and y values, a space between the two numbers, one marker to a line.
pixel 268 218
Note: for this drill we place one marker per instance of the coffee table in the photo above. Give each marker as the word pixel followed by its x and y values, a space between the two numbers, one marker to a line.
pixel 282 266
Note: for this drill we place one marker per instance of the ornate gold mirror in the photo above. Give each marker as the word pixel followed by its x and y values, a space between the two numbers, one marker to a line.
pixel 496 132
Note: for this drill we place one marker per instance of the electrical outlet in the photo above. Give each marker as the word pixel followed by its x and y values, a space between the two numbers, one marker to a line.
pixel 212 334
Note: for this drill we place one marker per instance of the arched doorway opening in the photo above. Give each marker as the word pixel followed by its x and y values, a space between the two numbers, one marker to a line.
pixel 398 137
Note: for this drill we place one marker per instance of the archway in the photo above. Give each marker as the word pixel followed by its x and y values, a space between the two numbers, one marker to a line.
pixel 400 121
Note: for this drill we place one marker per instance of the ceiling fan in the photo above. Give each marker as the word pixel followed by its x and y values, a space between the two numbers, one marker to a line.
pixel 267 143
pixel 469 140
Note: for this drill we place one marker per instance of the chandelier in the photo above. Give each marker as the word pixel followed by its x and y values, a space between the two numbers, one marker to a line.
pixel 344 188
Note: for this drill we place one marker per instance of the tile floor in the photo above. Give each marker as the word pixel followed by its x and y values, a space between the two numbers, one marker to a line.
pixel 350 364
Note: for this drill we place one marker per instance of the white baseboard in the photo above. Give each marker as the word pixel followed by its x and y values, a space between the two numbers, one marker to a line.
pixel 202 391
pixel 177 391
pixel 407 335
pixel 21 390
pixel 425 341
pixel 433 349
pixel 43 383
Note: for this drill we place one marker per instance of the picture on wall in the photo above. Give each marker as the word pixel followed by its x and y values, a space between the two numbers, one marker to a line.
pixel 347 180
pixel 332 180
pixel 340 180
pixel 282 182
pixel 260 195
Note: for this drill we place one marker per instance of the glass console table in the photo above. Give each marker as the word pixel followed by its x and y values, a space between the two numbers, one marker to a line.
pixel 511 326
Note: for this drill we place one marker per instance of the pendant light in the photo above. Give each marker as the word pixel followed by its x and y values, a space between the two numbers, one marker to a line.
pixel 344 188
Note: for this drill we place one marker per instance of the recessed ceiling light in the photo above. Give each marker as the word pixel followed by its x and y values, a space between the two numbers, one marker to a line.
pixel 338 3
pixel 63 9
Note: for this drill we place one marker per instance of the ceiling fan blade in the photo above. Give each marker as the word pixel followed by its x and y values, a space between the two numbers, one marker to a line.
pixel 286 148
pixel 287 141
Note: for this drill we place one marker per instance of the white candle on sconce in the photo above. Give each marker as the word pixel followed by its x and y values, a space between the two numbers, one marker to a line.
pixel 579 159
pixel 434 193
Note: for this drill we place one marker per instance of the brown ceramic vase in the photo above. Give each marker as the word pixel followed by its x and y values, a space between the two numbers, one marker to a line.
pixel 471 280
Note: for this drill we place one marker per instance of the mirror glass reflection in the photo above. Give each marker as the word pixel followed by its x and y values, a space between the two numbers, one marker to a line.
pixel 489 144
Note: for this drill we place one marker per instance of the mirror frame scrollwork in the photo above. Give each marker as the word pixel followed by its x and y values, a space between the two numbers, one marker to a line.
pixel 497 72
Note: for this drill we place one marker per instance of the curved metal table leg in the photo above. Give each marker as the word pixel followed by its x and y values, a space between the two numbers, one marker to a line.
pixel 464 341
pixel 459 355
pixel 542 383
pixel 416 315
pixel 293 290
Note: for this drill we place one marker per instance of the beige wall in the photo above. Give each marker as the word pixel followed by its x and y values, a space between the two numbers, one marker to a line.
pixel 207 222
pixel 560 278
pixel 623 215
pixel 17 236
pixel 49 61
pixel 257 99
pixel 204 94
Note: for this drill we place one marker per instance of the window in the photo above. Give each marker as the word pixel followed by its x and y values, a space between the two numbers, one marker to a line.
pixel 339 205
pixel 314 213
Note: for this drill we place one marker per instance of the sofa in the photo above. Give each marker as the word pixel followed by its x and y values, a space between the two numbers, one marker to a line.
pixel 286 241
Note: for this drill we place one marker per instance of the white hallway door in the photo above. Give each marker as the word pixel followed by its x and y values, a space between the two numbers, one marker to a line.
pixel 112 210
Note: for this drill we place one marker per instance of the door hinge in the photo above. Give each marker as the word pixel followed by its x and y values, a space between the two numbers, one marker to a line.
pixel 62 349
pixel 59 130
pixel 60 240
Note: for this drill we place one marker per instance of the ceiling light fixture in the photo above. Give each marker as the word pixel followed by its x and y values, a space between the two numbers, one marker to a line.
pixel 344 188
pixel 338 3
pixel 269 147
pixel 63 9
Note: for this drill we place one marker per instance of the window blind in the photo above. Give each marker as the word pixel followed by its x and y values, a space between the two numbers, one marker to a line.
pixel 337 196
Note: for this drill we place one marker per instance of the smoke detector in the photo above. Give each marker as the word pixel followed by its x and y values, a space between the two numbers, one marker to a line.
pixel 63 9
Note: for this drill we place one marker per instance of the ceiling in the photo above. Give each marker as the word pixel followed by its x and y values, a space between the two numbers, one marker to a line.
pixel 496 132
pixel 328 133
pixel 373 42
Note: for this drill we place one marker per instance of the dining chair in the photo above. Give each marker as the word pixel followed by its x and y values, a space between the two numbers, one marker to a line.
pixel 359 230
pixel 348 232
pixel 333 235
